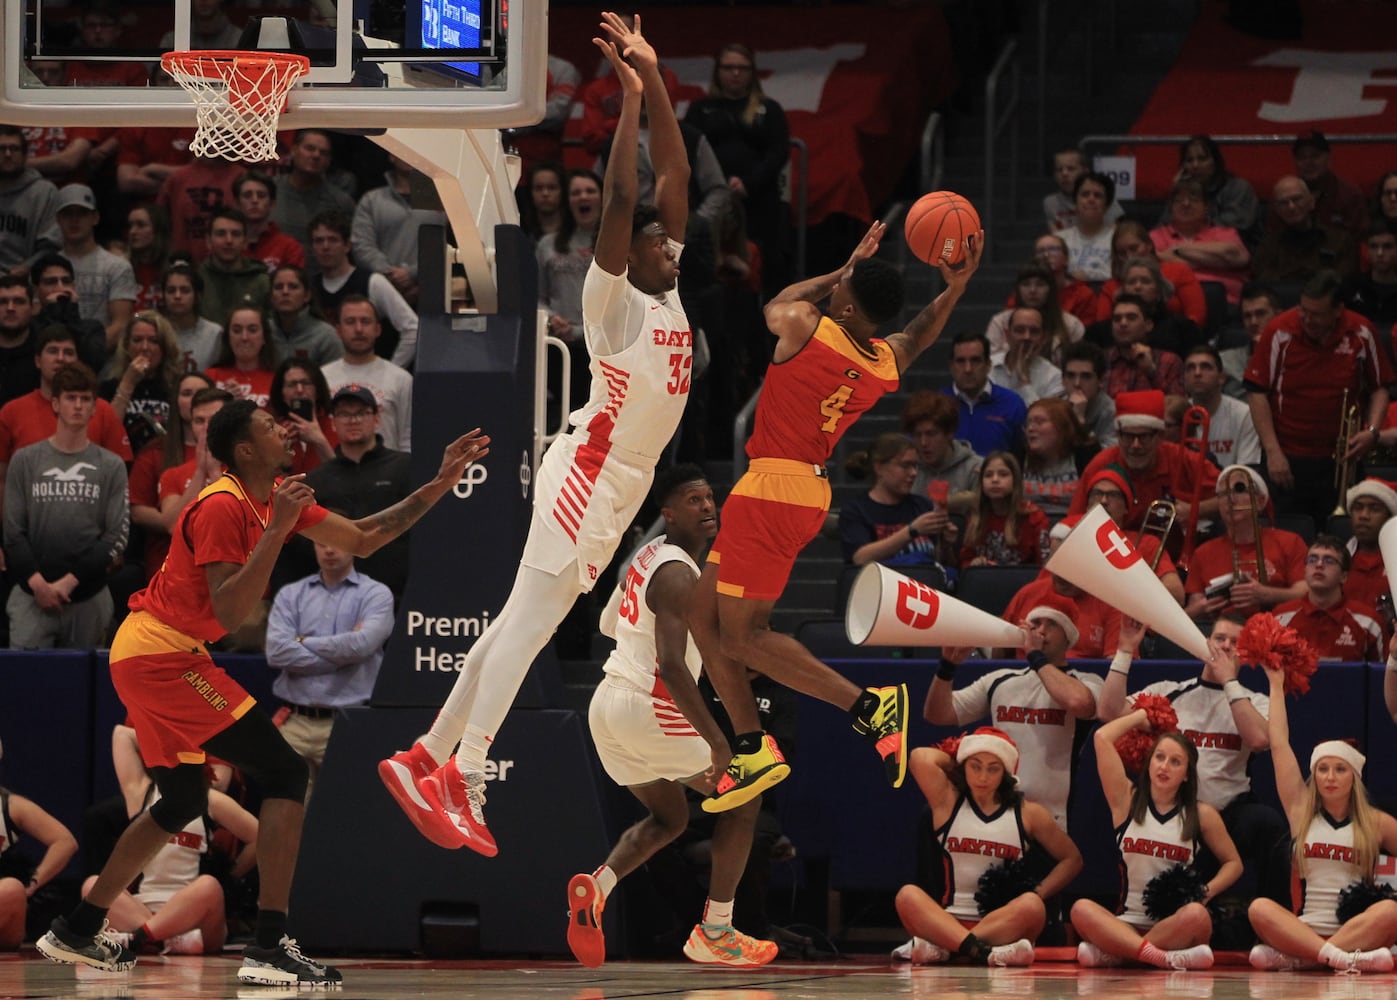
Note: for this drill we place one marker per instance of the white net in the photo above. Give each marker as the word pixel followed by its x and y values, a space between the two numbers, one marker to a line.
pixel 238 98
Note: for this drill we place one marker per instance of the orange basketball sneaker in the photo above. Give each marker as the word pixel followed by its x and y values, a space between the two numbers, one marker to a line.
pixel 585 905
pixel 458 800
pixel 400 774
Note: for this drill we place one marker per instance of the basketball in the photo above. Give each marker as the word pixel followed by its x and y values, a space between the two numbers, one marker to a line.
pixel 937 225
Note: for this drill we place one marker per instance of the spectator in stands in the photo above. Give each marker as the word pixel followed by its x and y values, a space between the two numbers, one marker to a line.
pixel 99 28
pixel 231 279
pixel 181 484
pixel 601 104
pixel 245 362
pixel 105 284
pixel 1227 572
pixel 1158 469
pixel 1132 363
pixel 543 142
pixel 1089 238
pixel 67 155
pixel 1259 305
pixel 947 468
pixel 325 635
pixel 28 206
pixel 541 211
pixel 300 401
pixel 1374 292
pixel 1142 277
pixel 384 231
pixel 1004 529
pixel 563 259
pixel 147 156
pixel 66 525
pixel 1232 438
pixel 991 418
pixel 1036 288
pixel 1302 244
pixel 1336 625
pixel 1370 503
pixel 191 194
pixel 1180 294
pixel 1338 203
pixel 1060 207
pixel 339 278
pixel 199 339
pixel 55 289
pixel 1227 723
pixel 147 366
pixel 148 250
pixel 1076 298
pixel 1047 689
pixel 1384 207
pixel 306 193
pixel 1083 381
pixel 1215 252
pixel 1054 455
pixel 890 524
pixel 175 447
pixel 751 139
pixel 18 375
pixel 295 332
pixel 390 386
pixel 1111 489
pixel 1024 367
pixel 19 880
pixel 1231 200
pixel 209 28
pixel 255 195
pixel 1311 363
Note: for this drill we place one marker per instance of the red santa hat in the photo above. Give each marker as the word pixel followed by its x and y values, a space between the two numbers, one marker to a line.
pixel 1380 490
pixel 1140 411
pixel 988 739
pixel 1063 528
pixel 1058 610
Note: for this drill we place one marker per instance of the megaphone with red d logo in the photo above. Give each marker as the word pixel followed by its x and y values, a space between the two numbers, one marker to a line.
pixel 888 609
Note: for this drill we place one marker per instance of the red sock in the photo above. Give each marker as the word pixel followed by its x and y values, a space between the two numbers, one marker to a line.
pixel 1152 955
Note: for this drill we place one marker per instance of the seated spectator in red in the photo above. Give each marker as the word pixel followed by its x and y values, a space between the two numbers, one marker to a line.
pixel 1231 199
pixel 180 485
pixel 100 28
pixel 1111 489
pixel 1214 252
pixel 1004 529
pixel 148 250
pixel 1036 288
pixel 947 468
pixel 19 879
pixel 70 155
pixel 1370 504
pixel 175 447
pixel 145 157
pixel 266 243
pixel 1338 627
pixel 1130 240
pixel 1077 298
pixel 191 194
pixel 1132 363
pixel 300 401
pixel 1098 624
pixel 543 142
pixel 244 366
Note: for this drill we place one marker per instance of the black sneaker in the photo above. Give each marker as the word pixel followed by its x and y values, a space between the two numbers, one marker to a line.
pixel 103 951
pixel 284 965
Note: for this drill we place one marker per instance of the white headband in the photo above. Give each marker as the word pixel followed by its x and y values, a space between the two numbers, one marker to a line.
pixel 1054 615
pixel 974 743
pixel 1346 752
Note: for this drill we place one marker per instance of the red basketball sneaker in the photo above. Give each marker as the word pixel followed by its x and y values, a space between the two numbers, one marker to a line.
pixel 400 774
pixel 458 800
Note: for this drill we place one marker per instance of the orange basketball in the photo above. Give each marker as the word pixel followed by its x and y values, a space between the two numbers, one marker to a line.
pixel 937 225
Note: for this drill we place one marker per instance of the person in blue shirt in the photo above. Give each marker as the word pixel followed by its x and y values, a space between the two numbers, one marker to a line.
pixel 991 418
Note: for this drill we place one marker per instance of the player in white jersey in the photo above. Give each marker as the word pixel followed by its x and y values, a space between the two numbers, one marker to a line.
pixel 1159 823
pixel 1338 837
pixel 982 819
pixel 592 480
pixel 654 733
pixel 1227 723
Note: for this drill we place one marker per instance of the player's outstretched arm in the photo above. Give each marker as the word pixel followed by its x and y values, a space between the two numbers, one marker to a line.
pixel 368 534
pixel 619 185
pixel 927 325
pixel 792 312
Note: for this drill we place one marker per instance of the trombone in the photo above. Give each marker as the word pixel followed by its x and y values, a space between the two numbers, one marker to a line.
pixel 1159 520
pixel 1240 486
pixel 1343 467
pixel 1194 435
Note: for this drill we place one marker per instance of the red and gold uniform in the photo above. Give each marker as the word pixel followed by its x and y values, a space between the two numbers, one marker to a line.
pixel 780 503
pixel 176 697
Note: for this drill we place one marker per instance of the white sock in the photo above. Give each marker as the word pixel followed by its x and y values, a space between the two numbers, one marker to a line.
pixel 716 914
pixel 474 748
pixel 606 880
pixel 1333 957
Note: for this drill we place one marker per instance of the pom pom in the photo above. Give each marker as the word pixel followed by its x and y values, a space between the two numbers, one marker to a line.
pixel 1355 898
pixel 1001 884
pixel 1134 745
pixel 950 745
pixel 1171 890
pixel 1272 646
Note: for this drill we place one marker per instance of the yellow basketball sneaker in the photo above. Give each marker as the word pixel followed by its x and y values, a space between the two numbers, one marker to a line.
pixel 747 776
pixel 887 728
pixel 729 947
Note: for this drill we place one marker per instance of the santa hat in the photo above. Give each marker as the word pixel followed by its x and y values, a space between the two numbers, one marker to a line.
pixel 1117 476
pixel 988 739
pixel 1059 611
pixel 1346 752
pixel 1380 490
pixel 1140 411
pixel 1063 528
pixel 1256 480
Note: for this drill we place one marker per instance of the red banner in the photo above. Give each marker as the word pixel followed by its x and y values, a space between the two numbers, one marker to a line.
pixel 856 88
pixel 1339 78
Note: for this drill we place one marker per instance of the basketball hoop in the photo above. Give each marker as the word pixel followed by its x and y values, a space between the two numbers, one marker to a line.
pixel 238 97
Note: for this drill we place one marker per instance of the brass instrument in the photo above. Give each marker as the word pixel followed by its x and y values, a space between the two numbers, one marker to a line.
pixel 1194 435
pixel 1344 469
pixel 1241 485
pixel 1159 522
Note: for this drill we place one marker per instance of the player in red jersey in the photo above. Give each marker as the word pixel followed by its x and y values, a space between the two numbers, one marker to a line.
pixel 827 369
pixel 183 706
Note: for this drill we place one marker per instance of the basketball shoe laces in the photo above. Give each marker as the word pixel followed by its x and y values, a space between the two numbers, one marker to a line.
pixel 289 945
pixel 108 939
pixel 471 795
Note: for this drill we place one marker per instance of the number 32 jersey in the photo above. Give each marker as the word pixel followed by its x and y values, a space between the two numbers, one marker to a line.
pixel 810 400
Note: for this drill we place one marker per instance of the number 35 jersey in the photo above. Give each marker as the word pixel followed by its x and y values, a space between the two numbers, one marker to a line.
pixel 635 660
pixel 810 400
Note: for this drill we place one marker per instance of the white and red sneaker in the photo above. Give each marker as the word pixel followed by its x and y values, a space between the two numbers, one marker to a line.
pixel 400 774
pixel 457 799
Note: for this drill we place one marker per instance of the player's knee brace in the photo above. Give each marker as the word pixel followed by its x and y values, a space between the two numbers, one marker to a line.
pixel 184 796
pixel 284 775
pixel 254 745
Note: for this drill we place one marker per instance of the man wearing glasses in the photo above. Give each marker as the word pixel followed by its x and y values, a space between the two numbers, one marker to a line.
pixel 1338 629
pixel 28 207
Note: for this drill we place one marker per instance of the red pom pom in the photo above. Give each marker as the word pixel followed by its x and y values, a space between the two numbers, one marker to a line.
pixel 1134 745
pixel 950 745
pixel 1272 646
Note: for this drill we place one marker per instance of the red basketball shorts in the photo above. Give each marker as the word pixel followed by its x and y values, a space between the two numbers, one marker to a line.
pixel 776 509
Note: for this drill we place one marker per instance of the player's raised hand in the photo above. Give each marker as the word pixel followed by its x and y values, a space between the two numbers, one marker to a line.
pixel 629 41
pixel 469 447
pixel 974 250
pixel 630 80
pixel 291 496
pixel 868 246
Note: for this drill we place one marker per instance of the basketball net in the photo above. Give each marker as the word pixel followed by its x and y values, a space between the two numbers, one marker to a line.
pixel 238 98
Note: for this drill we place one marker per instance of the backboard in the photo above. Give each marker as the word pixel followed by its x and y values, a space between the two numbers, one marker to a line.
pixel 374 63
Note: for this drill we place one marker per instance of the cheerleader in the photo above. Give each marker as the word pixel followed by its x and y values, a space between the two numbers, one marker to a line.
pixel 1159 824
pixel 1338 836
pixel 991 910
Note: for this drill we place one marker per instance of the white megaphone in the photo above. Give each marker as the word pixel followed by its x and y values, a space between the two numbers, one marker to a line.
pixel 1099 558
pixel 1387 545
pixel 889 609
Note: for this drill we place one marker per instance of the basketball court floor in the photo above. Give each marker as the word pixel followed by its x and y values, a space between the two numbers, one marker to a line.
pixel 29 976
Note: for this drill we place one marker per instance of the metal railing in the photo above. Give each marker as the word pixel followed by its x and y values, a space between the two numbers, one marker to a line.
pixel 933 165
pixel 1089 142
pixel 801 201
pixel 740 423
pixel 996 121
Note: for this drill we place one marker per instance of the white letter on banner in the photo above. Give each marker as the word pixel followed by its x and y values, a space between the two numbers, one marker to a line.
pixel 1328 85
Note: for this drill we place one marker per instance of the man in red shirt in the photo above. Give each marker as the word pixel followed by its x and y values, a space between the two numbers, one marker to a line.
pixel 1370 504
pixel 256 194
pixel 1311 363
pixel 1336 626
pixel 184 707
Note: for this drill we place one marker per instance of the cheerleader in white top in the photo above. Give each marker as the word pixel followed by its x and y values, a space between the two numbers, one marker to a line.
pixel 1159 825
pixel 18 882
pixel 983 822
pixel 1338 836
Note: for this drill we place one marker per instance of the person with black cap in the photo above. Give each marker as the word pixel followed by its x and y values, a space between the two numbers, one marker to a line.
pixel 1338 202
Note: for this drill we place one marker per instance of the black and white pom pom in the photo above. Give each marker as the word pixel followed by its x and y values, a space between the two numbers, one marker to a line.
pixel 1356 897
pixel 1001 884
pixel 1171 890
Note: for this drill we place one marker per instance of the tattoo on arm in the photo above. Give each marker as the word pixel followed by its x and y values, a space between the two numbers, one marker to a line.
pixel 392 521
